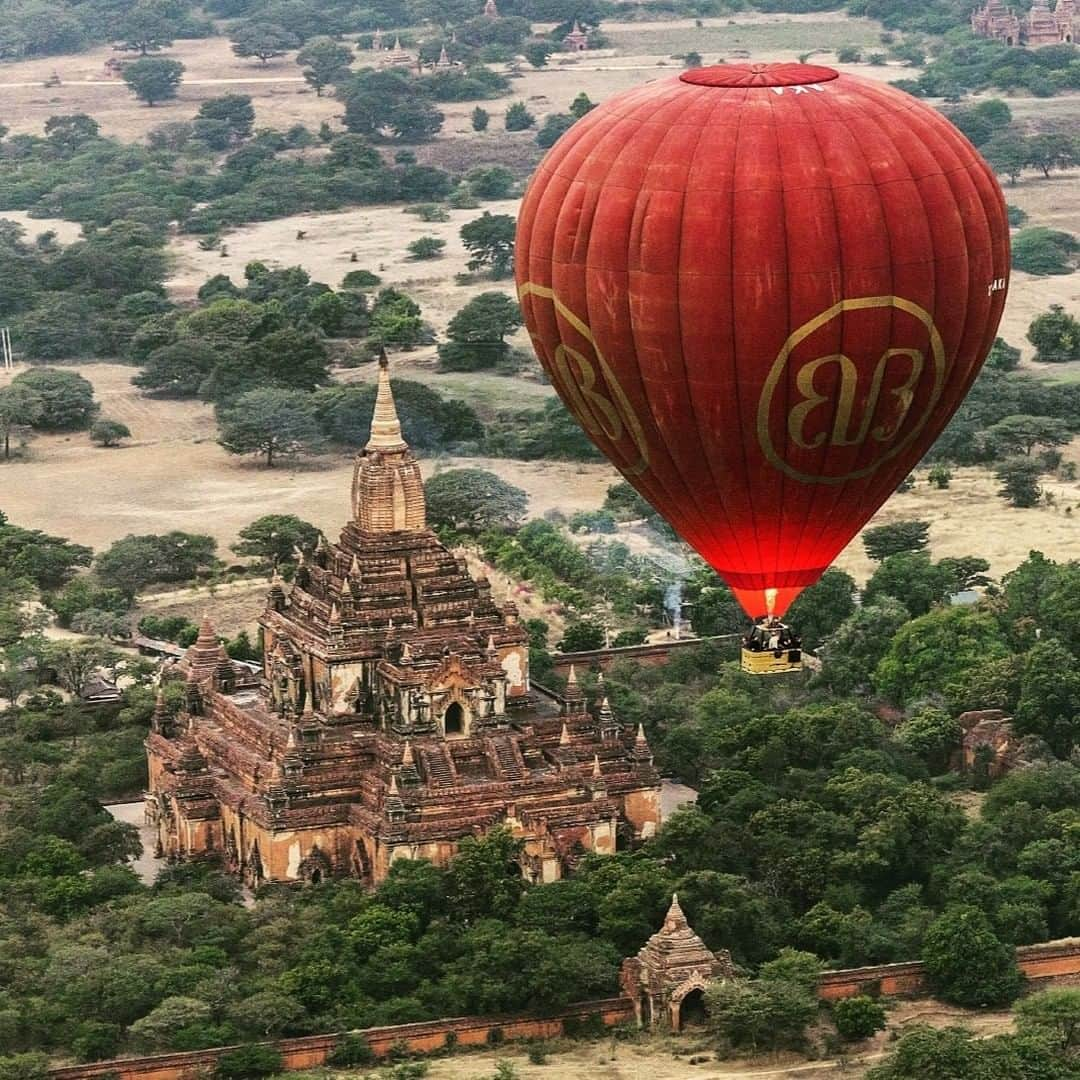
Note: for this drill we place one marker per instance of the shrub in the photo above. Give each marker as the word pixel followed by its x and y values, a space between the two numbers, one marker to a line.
pixel 426 247
pixel 109 432
pixel 352 1050
pixel 518 117
pixel 858 1018
pixel 1042 251
pixel 360 279
pixel 248 1063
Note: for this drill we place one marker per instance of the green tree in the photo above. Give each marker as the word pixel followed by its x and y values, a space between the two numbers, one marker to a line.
pixel 263 40
pixel 21 406
pixel 851 655
pixel 135 561
pixel 75 661
pixel 885 540
pixel 1042 251
pixel 155 1031
pixel 1002 356
pixel 1051 150
pixel 274 538
pixel 760 1014
pixel 537 53
pixel 233 111
pixel 1049 704
pixel 478 331
pixel 930 651
pixel 965 962
pixel 473 500
pixel 581 105
pixel 858 1017
pixel 480 119
pixel 484 879
pixel 518 117
pixel 1055 335
pixel 555 125
pixel 179 369
pixel 67 399
pixel 146 29
pixel 819 610
pixel 1007 154
pixel 272 422
pixel 932 734
pixel 712 604
pixel 267 1012
pixel 1020 434
pixel 582 636
pixel 426 247
pixel 324 62
pixel 395 320
pixel 940 477
pixel 69 133
pixel 107 432
pixel 491 182
pixel 912 579
pixel 248 1063
pixel 1019 479
pixel 153 79
pixel 489 240
pixel 1053 1015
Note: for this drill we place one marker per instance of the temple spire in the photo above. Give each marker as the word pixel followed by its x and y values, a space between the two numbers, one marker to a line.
pixel 385 425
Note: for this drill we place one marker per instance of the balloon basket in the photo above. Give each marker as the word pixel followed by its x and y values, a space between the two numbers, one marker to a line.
pixel 772 661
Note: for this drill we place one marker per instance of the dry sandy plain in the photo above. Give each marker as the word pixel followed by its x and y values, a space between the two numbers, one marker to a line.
pixel 173 474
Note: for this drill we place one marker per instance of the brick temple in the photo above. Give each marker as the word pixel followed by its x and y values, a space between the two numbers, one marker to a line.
pixel 1039 26
pixel 392 716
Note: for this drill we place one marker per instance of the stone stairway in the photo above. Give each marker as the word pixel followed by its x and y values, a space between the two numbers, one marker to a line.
pixel 438 765
pixel 504 753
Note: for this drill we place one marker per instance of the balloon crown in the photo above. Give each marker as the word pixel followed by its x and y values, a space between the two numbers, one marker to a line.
pixel 759 75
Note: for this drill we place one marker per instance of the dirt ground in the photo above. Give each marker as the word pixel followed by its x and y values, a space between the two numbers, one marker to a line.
pixel 668 1058
pixel 173 475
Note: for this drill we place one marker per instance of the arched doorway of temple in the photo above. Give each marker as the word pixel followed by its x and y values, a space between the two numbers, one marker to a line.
pixel 454 720
pixel 692 1010
pixel 646 1011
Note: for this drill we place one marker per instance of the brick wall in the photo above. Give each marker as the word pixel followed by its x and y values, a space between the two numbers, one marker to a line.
pixel 1054 962
pixel 654 654
pixel 313 1049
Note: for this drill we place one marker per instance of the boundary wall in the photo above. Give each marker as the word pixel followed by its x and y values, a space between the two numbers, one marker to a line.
pixel 1053 962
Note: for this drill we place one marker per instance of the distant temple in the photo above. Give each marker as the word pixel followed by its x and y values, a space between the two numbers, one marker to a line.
pixel 577 40
pixel 392 716
pixel 1040 26
pixel 490 10
pixel 397 56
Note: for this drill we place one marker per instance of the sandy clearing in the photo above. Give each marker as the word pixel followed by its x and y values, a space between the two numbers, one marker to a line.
pixel 211 69
pixel 378 235
pixel 173 475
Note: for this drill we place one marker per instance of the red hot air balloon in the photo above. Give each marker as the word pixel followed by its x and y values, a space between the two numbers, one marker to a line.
pixel 763 290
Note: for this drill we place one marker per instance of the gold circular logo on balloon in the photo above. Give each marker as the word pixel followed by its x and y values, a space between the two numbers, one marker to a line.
pixel 853 401
pixel 592 391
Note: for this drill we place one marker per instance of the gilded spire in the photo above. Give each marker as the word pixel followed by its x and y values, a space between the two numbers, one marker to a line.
pixel 564 738
pixel 385 425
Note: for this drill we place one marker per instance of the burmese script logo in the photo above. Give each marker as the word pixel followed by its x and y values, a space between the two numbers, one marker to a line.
pixel 824 416
pixel 591 389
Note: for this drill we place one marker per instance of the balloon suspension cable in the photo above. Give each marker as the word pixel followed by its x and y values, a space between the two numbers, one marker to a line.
pixel 770 602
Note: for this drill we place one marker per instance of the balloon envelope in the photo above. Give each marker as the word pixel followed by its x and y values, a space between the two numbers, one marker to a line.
pixel 763 290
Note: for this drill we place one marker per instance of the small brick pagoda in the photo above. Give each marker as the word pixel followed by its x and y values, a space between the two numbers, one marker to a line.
pixel 393 715
pixel 668 977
